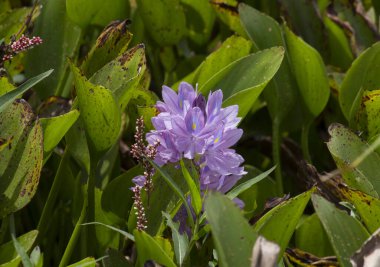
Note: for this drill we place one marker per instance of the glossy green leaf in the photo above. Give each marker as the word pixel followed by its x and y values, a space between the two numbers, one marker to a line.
pixel 227 11
pixel 236 79
pixel 309 71
pixel 54 128
pixel 246 185
pixel 361 77
pixel 96 12
pixel 200 18
pixel 345 147
pixel 8 253
pixel 123 74
pixel 180 241
pixel 99 111
pixel 196 199
pixel 21 161
pixel 367 117
pixel 233 236
pixel 367 207
pixel 60 41
pixel 88 262
pixel 150 248
pixel 346 234
pixel 164 20
pixel 289 212
pixel 319 245
pixel 7 98
pixel 113 41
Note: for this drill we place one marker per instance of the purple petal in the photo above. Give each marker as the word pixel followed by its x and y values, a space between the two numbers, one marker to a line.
pixel 139 180
pixel 186 96
pixel 214 104
pixel 194 120
pixel 171 99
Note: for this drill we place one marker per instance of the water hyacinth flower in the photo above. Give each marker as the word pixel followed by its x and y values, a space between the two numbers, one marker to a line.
pixel 188 126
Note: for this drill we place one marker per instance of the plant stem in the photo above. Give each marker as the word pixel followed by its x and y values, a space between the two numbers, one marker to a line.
pixel 305 141
pixel 74 236
pixel 276 148
pixel 54 190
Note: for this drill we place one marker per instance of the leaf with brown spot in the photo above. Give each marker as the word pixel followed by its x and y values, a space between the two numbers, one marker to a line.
pixel 21 162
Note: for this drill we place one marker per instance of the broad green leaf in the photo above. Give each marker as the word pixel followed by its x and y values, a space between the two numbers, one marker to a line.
pixel 319 245
pixel 198 30
pixel 123 74
pixel 60 41
pixel 196 199
pixel 367 206
pixel 180 241
pixel 246 185
pixel 115 258
pixel 367 117
pixel 7 98
pixel 164 20
pixel 5 86
pixel 54 128
pixel 346 234
pixel 21 161
pixel 96 12
pixel 113 41
pixel 88 262
pixel 289 212
pixel 11 21
pixel 99 111
pixel 281 93
pixel 361 77
pixel 309 71
pixel 233 236
pixel 236 81
pixel 150 248
pixel 8 253
pixel 345 147
pixel 227 11
pixel 117 196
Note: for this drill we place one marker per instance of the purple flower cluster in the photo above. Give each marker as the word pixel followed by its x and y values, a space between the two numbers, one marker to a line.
pixel 189 126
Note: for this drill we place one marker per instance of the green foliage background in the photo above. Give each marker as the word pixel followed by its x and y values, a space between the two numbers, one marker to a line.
pixel 305 74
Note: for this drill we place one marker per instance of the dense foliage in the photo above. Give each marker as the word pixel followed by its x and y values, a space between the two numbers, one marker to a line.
pixel 263 150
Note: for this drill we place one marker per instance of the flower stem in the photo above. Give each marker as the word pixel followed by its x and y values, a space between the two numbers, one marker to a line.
pixel 276 148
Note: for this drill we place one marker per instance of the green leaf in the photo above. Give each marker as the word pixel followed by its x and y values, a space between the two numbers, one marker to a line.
pixel 319 245
pixel 180 241
pixel 96 12
pixel 367 206
pixel 21 161
pixel 11 21
pixel 5 86
pixel 164 20
pixel 149 248
pixel 361 77
pixel 198 30
pixel 113 41
pixel 9 97
pixel 196 199
pixel 346 234
pixel 124 233
pixel 227 12
pixel 289 212
pixel 60 41
pixel 310 73
pixel 246 185
pixel 8 253
pixel 54 128
pixel 99 111
pixel 123 74
pixel 89 261
pixel 345 147
pixel 236 79
pixel 233 236
pixel 115 258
